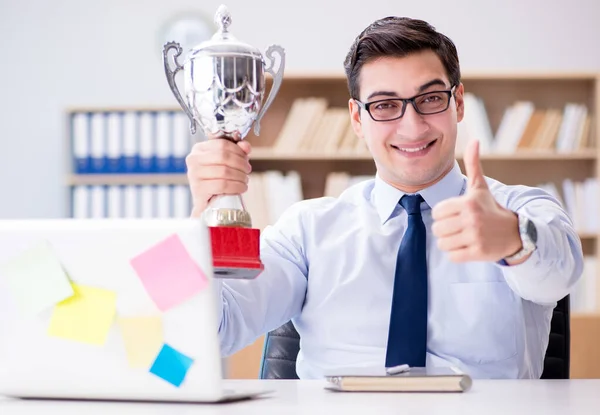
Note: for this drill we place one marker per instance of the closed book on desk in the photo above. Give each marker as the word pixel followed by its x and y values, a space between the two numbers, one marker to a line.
pixel 435 379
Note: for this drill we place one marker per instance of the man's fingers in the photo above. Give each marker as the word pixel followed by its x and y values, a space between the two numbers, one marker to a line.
pixel 245 146
pixel 448 208
pixel 450 243
pixel 464 254
pixel 219 187
pixel 219 158
pixel 217 166
pixel 220 172
pixel 220 145
pixel 447 227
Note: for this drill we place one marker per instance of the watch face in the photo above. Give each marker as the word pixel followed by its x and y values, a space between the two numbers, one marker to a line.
pixel 532 231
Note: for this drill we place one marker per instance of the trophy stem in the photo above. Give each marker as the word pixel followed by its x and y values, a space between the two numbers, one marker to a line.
pixel 227 210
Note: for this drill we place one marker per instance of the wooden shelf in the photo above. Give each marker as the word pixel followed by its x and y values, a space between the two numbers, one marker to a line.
pixel 181 179
pixel 539 155
pixel 265 153
pixel 589 316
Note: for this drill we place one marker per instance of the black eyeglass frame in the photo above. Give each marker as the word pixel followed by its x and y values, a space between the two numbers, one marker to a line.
pixel 405 101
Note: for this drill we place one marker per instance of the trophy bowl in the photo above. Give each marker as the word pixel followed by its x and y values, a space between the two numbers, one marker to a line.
pixel 224 88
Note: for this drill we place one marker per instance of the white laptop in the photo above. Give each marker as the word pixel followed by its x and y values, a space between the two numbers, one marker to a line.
pixel 110 310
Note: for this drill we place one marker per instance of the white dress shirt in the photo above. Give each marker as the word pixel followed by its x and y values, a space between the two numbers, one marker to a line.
pixel 329 266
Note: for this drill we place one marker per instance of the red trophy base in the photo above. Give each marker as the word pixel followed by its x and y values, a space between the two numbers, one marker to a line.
pixel 236 252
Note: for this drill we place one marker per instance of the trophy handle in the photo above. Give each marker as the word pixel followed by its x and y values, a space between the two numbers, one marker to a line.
pixel 171 79
pixel 277 79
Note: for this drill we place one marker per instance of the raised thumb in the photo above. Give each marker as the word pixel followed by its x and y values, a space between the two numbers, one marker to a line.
pixel 473 168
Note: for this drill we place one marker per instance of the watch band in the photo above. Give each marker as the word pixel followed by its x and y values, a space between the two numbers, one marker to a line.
pixel 528 236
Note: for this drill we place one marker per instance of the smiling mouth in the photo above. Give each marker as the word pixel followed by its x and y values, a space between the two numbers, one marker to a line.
pixel 415 149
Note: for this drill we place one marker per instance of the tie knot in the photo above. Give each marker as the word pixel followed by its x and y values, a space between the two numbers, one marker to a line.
pixel 411 203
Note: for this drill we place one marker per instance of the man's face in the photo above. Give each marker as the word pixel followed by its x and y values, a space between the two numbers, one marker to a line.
pixel 415 150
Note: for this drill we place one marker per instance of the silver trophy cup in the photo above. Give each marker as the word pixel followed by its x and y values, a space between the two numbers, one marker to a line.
pixel 224 87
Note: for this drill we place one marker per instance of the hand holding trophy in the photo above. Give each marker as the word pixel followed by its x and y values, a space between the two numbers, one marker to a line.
pixel 224 87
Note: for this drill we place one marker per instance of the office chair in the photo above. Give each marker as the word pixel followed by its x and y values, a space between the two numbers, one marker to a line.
pixel 557 361
pixel 282 345
pixel 280 351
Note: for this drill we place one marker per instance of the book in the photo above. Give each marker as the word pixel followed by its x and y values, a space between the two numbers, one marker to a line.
pixel 416 379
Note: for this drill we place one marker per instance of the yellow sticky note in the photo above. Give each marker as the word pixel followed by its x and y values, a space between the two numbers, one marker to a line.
pixel 143 338
pixel 86 316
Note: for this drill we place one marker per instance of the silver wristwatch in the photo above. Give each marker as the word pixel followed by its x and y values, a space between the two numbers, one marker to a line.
pixel 528 233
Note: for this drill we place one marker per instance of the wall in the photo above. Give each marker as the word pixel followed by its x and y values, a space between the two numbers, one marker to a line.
pixel 67 53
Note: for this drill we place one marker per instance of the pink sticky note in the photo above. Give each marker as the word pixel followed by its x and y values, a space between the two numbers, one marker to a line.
pixel 168 273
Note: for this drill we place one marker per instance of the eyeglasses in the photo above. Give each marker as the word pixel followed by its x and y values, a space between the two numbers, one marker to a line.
pixel 393 108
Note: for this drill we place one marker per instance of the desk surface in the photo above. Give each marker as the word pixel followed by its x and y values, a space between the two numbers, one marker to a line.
pixel 309 397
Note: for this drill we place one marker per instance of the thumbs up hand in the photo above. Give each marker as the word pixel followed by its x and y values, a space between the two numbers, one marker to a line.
pixel 474 227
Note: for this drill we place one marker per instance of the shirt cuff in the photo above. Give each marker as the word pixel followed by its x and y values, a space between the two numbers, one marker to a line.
pixel 535 259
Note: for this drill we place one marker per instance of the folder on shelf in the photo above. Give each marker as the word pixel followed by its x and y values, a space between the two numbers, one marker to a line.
pixel 114 144
pixel 130 201
pixel 98 142
pixel 147 142
pixel 80 142
pixel 182 143
pixel 129 158
pixel 163 136
pixel 129 142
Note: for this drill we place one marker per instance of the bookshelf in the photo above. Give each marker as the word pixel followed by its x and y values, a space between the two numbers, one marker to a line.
pixel 317 162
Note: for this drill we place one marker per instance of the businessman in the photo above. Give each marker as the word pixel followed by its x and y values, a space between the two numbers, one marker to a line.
pixel 424 264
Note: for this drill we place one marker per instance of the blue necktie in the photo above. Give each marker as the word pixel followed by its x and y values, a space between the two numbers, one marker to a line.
pixel 407 338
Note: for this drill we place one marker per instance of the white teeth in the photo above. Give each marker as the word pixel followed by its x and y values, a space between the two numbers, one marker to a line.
pixel 413 150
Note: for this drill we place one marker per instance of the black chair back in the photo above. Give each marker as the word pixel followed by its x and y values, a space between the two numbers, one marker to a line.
pixel 280 351
pixel 558 354
pixel 282 345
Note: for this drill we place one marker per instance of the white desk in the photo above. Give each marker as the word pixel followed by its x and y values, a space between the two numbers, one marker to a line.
pixel 578 397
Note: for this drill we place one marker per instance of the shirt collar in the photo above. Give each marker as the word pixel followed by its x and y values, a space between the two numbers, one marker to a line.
pixel 386 197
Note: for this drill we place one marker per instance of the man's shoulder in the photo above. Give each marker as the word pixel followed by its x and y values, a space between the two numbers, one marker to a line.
pixel 353 196
pixel 515 196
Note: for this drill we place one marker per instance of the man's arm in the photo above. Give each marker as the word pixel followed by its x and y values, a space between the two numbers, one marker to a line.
pixel 478 227
pixel 550 272
pixel 251 308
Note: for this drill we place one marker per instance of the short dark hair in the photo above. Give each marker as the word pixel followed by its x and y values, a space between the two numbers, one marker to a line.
pixel 398 37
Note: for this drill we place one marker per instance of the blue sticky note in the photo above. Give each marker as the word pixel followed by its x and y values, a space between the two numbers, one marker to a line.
pixel 171 365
